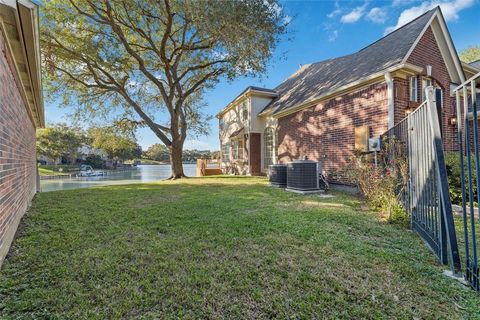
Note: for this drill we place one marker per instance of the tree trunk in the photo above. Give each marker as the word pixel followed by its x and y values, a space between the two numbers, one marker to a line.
pixel 176 162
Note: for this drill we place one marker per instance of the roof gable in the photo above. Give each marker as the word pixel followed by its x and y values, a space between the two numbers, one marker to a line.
pixel 317 79
pixel 445 45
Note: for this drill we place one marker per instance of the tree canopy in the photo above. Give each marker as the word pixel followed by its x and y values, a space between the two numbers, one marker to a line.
pixel 470 54
pixel 148 62
pixel 116 145
pixel 59 141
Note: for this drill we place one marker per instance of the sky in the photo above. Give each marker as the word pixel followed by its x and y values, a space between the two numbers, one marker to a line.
pixel 320 30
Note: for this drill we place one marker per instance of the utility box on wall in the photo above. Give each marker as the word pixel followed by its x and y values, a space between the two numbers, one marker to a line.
pixel 362 134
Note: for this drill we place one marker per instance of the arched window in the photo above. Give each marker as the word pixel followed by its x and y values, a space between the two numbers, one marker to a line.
pixel 269 148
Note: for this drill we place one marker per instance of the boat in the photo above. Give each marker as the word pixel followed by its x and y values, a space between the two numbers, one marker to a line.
pixel 87 171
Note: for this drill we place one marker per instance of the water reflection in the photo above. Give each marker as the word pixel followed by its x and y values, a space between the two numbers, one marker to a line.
pixel 143 173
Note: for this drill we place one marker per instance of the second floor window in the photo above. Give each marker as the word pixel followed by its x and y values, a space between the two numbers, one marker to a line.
pixel 221 124
pixel 413 89
pixel 244 111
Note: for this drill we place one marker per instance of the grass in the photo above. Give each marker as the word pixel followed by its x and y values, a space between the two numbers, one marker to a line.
pixel 48 170
pixel 219 248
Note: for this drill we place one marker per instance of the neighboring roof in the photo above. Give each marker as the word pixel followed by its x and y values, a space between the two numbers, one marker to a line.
pixel 314 80
pixel 250 89
pixel 475 64
pixel 20 25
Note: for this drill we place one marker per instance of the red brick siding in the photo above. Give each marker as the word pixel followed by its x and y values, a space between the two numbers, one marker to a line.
pixel 255 160
pixel 17 152
pixel 401 98
pixel 326 131
pixel 426 53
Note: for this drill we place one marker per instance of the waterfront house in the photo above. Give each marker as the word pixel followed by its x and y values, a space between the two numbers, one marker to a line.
pixel 327 109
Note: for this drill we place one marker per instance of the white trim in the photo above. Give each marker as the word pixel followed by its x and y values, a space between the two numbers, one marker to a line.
pixel 246 94
pixel 390 100
pixel 448 40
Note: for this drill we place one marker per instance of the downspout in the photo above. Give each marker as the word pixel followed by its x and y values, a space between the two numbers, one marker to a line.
pixel 390 100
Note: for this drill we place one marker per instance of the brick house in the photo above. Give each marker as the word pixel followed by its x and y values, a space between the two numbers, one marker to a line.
pixel 324 109
pixel 21 112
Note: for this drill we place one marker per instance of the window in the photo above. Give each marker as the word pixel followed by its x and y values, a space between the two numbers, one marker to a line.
pixel 244 111
pixel 426 82
pixel 237 146
pixel 226 152
pixel 269 148
pixel 220 124
pixel 413 89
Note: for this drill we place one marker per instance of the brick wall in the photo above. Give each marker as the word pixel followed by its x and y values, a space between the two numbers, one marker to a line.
pixel 427 53
pixel 18 178
pixel 326 131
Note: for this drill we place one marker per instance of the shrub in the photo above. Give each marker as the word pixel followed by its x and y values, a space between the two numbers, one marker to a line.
pixel 383 184
pixel 452 161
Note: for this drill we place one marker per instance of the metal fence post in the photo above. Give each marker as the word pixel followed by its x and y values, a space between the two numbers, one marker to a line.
pixel 444 196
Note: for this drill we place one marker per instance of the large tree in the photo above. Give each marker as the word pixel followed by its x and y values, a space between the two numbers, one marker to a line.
pixel 147 62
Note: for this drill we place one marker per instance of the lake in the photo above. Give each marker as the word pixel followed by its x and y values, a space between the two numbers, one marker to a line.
pixel 142 173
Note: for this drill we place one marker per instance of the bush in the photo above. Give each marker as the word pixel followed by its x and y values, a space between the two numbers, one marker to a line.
pixel 383 185
pixel 452 161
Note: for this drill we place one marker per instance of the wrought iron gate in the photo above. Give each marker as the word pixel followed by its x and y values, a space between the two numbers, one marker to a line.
pixel 426 196
pixel 467 95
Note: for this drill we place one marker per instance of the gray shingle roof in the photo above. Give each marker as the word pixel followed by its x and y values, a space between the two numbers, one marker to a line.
pixel 475 64
pixel 314 80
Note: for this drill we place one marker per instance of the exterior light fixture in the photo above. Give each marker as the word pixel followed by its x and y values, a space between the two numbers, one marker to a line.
pixel 429 70
pixel 452 121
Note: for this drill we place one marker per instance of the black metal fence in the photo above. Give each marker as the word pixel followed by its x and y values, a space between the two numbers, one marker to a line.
pixel 425 196
pixel 467 95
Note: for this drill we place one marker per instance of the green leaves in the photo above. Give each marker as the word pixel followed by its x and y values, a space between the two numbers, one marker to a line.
pixel 59 141
pixel 153 59
pixel 470 54
pixel 116 145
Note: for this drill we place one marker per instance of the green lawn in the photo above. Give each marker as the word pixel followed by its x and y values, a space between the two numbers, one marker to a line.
pixel 219 248
pixel 45 170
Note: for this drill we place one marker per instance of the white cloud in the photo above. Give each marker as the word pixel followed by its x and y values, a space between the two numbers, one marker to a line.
pixel 450 10
pixel 354 15
pixel 335 12
pixel 333 36
pixel 377 15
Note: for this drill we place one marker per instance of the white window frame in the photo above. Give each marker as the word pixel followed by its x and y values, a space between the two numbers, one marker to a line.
pixel 237 146
pixel 226 152
pixel 413 88
pixel 244 111
pixel 268 159
pixel 221 124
